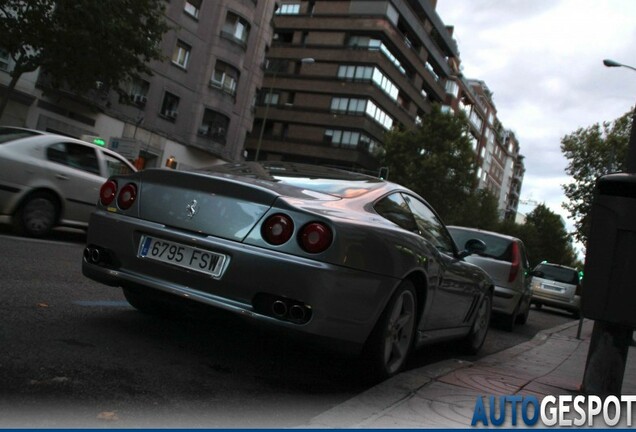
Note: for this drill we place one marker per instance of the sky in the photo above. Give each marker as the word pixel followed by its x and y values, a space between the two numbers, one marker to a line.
pixel 543 62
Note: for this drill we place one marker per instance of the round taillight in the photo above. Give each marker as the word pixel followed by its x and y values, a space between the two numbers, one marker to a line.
pixel 277 229
pixel 107 192
pixel 127 196
pixel 315 237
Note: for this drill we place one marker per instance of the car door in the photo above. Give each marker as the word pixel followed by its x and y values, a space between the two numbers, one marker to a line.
pixel 76 173
pixel 457 288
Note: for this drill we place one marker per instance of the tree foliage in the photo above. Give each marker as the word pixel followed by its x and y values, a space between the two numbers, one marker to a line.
pixel 592 152
pixel 81 42
pixel 435 160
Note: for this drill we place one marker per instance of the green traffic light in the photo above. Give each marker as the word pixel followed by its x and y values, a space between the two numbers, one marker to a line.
pixel 99 142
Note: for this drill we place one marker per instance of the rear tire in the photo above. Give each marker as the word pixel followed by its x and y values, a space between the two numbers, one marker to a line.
pixel 475 339
pixel 509 321
pixel 389 345
pixel 37 215
pixel 523 317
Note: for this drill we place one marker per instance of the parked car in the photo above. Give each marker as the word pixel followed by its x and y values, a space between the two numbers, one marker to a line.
pixel 504 258
pixel 557 286
pixel 326 252
pixel 48 180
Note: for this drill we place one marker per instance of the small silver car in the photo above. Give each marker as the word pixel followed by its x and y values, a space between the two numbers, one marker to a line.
pixel 326 252
pixel 557 286
pixel 48 180
pixel 504 258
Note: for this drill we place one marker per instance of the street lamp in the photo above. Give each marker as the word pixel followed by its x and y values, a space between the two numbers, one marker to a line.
pixel 307 60
pixel 631 151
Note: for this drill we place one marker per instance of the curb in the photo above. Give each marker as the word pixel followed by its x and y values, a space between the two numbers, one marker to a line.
pixel 394 391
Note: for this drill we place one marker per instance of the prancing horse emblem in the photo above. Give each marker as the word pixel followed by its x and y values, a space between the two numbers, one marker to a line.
pixel 192 208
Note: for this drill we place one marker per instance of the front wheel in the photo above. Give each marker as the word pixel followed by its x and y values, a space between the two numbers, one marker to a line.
pixel 390 343
pixel 479 330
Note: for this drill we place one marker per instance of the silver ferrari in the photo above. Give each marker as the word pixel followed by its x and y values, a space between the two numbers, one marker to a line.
pixel 322 251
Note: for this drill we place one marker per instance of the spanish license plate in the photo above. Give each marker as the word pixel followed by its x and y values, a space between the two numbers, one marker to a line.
pixel 552 288
pixel 181 255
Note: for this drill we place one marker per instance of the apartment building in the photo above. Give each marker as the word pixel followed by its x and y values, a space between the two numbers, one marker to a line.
pixel 499 163
pixel 342 73
pixel 195 109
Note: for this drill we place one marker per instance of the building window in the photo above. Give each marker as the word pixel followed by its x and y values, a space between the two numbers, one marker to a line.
pixel 476 120
pixel 181 54
pixel 170 105
pixel 376 44
pixel 352 140
pixel 288 9
pixel 138 91
pixel 452 88
pixel 236 27
pixel 271 98
pixel 214 126
pixel 225 77
pixel 192 7
pixel 429 67
pixel 362 106
pixel 368 73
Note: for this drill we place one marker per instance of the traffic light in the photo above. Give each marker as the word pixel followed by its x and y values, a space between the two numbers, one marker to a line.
pixel 384 173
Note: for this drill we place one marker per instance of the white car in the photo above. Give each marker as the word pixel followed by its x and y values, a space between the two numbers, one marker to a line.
pixel 49 180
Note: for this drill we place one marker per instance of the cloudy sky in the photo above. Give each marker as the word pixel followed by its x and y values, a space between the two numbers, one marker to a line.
pixel 543 61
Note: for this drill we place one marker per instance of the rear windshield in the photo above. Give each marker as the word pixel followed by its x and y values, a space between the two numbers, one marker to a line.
pixel 496 247
pixel 339 188
pixel 335 182
pixel 10 134
pixel 558 274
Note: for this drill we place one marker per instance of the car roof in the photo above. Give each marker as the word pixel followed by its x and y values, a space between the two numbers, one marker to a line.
pixel 45 138
pixel 556 265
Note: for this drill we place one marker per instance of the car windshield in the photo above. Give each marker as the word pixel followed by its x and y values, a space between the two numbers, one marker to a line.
pixel 496 247
pixel 558 274
pixel 10 134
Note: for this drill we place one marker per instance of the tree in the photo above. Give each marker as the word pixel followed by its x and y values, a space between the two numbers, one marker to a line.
pixel 550 240
pixel 81 42
pixel 435 160
pixel 592 152
pixel 480 210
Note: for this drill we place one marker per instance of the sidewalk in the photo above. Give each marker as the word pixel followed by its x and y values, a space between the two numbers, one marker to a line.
pixel 443 395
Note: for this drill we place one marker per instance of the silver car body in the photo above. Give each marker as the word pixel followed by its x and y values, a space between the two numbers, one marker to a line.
pixel 557 286
pixel 512 287
pixel 67 170
pixel 344 288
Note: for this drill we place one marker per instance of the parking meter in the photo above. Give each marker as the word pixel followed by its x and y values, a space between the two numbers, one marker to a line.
pixel 609 285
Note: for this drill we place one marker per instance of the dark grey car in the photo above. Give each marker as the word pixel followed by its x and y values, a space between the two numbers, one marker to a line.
pixel 504 258
pixel 321 251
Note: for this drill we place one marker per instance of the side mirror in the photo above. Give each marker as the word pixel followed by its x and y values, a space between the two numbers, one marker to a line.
pixel 473 246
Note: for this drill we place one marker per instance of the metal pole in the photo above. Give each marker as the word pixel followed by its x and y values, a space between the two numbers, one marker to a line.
pixel 609 344
pixel 264 121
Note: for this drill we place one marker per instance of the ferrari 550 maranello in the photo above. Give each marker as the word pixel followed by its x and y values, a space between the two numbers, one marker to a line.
pixel 326 252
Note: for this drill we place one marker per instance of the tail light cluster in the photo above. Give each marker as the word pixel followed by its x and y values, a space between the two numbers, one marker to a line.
pixel 125 199
pixel 314 237
pixel 516 262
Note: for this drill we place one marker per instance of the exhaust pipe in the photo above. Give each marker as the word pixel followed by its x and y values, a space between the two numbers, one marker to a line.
pixel 297 313
pixel 96 256
pixel 279 308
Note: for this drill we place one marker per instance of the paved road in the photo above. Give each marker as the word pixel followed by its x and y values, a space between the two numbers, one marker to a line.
pixel 76 355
